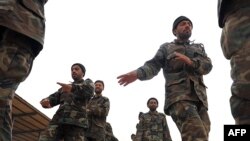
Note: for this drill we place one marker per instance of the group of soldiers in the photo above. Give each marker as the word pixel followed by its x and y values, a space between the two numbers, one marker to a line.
pixel 82 111
pixel 22 30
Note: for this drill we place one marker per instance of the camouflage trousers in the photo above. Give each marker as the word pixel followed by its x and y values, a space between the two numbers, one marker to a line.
pixel 15 66
pixel 192 120
pixel 63 133
pixel 235 43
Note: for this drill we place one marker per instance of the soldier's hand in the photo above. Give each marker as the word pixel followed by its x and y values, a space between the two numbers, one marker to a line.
pixel 45 103
pixel 127 78
pixel 183 58
pixel 66 88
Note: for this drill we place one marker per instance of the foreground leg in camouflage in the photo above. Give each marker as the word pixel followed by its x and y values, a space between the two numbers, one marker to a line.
pixel 50 134
pixel 235 42
pixel 192 125
pixel 240 99
pixel 15 65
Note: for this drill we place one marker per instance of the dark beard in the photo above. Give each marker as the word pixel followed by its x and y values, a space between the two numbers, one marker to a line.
pixel 152 109
pixel 98 92
pixel 185 36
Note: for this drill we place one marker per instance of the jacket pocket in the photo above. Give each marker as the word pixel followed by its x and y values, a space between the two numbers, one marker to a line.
pixel 175 78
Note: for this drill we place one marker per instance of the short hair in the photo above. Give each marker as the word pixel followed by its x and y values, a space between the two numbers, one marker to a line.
pixel 152 98
pixel 100 81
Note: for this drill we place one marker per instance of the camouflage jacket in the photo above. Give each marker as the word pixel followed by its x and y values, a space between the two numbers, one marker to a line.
pixel 153 127
pixel 109 133
pixel 98 107
pixel 182 82
pixel 225 7
pixel 25 17
pixel 72 106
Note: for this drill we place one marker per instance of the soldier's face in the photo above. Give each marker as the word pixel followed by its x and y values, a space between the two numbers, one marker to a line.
pixel 76 72
pixel 152 105
pixel 183 30
pixel 98 87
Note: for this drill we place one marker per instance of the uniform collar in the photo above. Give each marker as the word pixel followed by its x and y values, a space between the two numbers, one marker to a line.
pixel 178 42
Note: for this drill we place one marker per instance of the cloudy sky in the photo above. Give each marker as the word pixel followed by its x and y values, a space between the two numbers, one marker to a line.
pixel 113 37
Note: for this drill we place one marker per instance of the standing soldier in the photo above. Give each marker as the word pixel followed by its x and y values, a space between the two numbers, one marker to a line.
pixel 22 28
pixel 70 121
pixel 234 18
pixel 97 110
pixel 184 63
pixel 153 125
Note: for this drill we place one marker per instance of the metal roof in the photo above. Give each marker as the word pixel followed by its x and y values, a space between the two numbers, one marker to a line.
pixel 28 122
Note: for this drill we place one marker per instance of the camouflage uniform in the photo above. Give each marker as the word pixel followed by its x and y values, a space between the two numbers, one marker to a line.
pixel 185 91
pixel 109 133
pixel 22 27
pixel 153 127
pixel 70 120
pixel 234 18
pixel 98 107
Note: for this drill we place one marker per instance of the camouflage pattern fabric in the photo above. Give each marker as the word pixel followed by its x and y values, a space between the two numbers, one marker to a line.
pixel 235 43
pixel 15 65
pixel 109 133
pixel 182 82
pixel 72 109
pixel 225 7
pixel 98 108
pixel 192 120
pixel 74 106
pixel 153 127
pixel 25 17
pixel 22 28
pixel 50 134
pixel 63 133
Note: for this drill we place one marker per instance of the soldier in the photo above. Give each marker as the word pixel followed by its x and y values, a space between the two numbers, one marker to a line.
pixel 22 28
pixel 109 133
pixel 70 120
pixel 184 63
pixel 234 18
pixel 153 125
pixel 97 110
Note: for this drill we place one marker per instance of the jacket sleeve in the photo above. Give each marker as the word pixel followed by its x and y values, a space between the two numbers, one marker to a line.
pixel 202 64
pixel 54 98
pixel 84 90
pixel 152 67
pixel 139 130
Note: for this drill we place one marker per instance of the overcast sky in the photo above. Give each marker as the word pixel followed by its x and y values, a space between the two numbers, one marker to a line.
pixel 113 37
